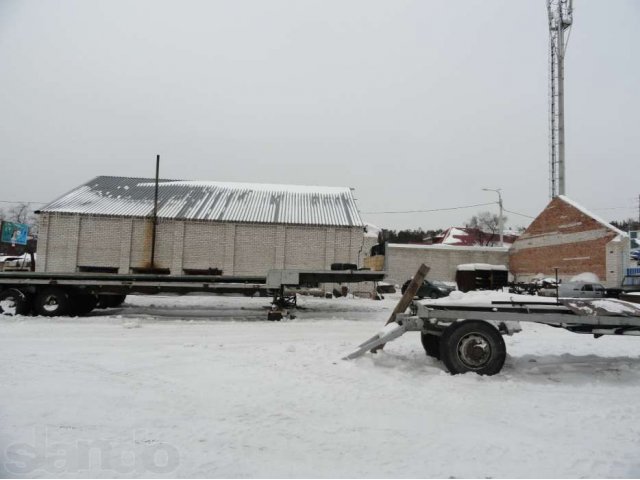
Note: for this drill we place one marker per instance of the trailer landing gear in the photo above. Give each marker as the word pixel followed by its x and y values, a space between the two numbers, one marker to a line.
pixel 281 304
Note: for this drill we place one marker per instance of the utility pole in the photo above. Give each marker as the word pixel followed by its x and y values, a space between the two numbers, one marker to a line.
pixel 155 215
pixel 560 20
pixel 500 218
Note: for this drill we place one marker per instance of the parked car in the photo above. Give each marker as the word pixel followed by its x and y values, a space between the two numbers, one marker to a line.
pixel 15 263
pixel 431 289
pixel 576 290
pixel 384 287
pixel 635 255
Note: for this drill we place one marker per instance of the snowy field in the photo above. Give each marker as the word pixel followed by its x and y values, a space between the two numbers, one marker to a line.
pixel 203 386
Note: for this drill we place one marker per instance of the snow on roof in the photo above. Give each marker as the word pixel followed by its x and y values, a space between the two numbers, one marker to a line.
pixel 259 187
pixel 465 236
pixel 439 246
pixel 212 201
pixel 598 219
pixel 371 230
pixel 451 234
pixel 466 267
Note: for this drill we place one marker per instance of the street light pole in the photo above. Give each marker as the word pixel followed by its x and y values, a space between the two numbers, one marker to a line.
pixel 500 218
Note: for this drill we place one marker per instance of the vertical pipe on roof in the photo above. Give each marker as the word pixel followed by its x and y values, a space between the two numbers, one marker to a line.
pixel 155 215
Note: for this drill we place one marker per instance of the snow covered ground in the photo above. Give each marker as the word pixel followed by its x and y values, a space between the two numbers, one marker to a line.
pixel 203 386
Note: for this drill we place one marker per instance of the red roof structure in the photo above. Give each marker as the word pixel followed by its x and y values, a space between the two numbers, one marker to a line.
pixel 469 237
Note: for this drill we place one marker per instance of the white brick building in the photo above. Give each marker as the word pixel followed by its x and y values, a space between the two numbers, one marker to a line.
pixel 401 261
pixel 242 229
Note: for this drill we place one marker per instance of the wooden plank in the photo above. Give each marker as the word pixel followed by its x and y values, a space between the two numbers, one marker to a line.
pixel 407 298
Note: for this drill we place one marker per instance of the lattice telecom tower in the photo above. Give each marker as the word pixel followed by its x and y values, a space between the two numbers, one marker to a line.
pixel 560 20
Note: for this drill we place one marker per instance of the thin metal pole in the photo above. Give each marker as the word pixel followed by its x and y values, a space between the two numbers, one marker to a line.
pixel 560 60
pixel 155 215
pixel 501 220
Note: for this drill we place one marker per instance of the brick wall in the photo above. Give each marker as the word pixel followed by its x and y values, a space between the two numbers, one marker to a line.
pixel 206 245
pixel 59 251
pixel 402 261
pixel 563 236
pixel 103 235
pixel 68 242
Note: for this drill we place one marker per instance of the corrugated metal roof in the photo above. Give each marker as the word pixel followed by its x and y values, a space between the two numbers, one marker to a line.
pixel 213 201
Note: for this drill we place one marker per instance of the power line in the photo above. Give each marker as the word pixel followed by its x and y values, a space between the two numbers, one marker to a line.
pixel 431 210
pixel 516 213
pixel 630 207
pixel 18 201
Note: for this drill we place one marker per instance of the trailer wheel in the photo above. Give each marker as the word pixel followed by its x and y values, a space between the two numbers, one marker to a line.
pixel 52 302
pixel 110 301
pixel 83 304
pixel 472 346
pixel 117 300
pixel 431 344
pixel 14 302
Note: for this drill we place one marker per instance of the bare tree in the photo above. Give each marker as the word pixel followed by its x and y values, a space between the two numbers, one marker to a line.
pixel 485 228
pixel 18 213
pixel 22 213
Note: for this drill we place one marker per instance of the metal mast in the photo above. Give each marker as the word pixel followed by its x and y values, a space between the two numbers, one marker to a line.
pixel 560 20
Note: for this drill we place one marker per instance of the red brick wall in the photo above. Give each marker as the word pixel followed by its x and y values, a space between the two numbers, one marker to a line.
pixel 573 255
pixel 559 213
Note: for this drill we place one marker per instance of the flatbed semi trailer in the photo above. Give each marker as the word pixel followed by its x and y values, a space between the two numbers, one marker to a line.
pixel 54 294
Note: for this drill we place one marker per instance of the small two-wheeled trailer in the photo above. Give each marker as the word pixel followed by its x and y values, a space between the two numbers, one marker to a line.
pixel 467 337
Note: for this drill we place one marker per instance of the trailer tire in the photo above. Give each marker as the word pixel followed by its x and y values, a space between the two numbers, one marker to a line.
pixel 52 302
pixel 472 346
pixel 344 266
pixel 83 304
pixel 431 344
pixel 14 302
pixel 110 301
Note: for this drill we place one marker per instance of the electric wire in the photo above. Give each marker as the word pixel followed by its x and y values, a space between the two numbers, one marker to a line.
pixel 18 201
pixel 431 210
pixel 516 213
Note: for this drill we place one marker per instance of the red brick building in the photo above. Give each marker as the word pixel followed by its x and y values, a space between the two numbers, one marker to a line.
pixel 569 237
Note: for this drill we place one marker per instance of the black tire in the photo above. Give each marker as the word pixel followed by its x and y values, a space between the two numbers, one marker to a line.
pixel 52 302
pixel 116 300
pixel 14 302
pixel 344 266
pixel 431 344
pixel 472 346
pixel 83 304
pixel 110 301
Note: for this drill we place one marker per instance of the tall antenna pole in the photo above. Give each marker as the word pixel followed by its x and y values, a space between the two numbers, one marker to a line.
pixel 560 20
pixel 155 215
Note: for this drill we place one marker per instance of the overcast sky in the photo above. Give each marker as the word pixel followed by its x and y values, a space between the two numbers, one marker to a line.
pixel 415 104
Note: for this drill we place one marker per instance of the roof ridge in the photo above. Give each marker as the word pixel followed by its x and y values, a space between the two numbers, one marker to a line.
pixel 598 219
